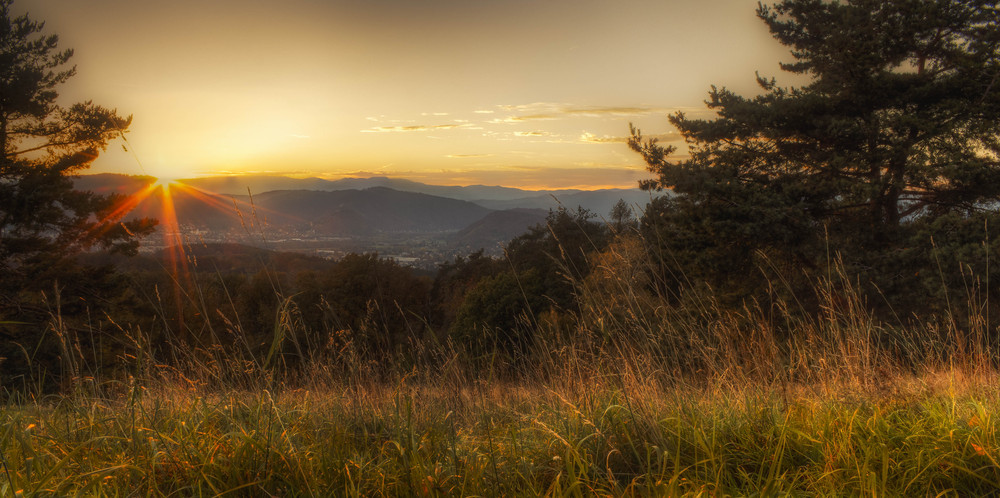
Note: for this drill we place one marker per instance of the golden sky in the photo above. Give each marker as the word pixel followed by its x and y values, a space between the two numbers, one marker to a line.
pixel 523 93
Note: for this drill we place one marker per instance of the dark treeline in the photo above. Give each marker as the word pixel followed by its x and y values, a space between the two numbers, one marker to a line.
pixel 245 301
pixel 573 280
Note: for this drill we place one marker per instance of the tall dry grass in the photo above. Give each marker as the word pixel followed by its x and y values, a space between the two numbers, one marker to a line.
pixel 633 393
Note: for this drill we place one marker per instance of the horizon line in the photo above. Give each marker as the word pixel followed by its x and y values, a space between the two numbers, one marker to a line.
pixel 529 187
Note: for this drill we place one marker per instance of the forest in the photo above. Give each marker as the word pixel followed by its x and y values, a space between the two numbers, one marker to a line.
pixel 808 306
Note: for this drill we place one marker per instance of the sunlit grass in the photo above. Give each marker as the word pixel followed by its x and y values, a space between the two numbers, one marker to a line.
pixel 635 398
pixel 510 440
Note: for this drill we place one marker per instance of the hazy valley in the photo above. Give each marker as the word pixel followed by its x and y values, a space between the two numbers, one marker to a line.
pixel 417 224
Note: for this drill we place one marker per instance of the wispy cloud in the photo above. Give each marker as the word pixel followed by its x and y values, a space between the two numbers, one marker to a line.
pixel 590 138
pixel 532 107
pixel 411 128
pixel 514 113
pixel 614 111
pixel 508 119
pixel 541 111
pixel 531 133
pixel 466 156
pixel 582 176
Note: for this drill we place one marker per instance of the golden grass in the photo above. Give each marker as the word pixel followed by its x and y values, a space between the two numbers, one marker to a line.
pixel 924 434
pixel 633 394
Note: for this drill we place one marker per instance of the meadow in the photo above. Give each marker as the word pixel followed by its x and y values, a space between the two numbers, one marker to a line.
pixel 633 398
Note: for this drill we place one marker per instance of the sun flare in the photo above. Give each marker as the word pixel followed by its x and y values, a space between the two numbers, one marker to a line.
pixel 165 183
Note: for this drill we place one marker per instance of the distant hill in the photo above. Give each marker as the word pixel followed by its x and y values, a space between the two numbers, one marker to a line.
pixel 374 209
pixel 238 185
pixel 497 228
pixel 256 184
pixel 598 202
pixel 492 197
pixel 312 212
pixel 110 183
pixel 316 213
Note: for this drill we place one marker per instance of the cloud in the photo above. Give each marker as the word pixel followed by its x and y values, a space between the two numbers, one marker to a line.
pixel 532 107
pixel 482 111
pixel 508 119
pixel 590 138
pixel 531 133
pixel 465 156
pixel 408 128
pixel 531 117
pixel 541 111
pixel 616 111
pixel 585 176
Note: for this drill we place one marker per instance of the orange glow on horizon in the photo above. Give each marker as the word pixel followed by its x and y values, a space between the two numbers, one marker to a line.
pixel 165 183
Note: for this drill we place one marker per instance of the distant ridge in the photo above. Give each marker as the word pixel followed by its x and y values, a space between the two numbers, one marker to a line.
pixel 318 213
pixel 380 214
pixel 497 228
pixel 237 185
pixel 111 183
pixel 376 209
pixel 599 202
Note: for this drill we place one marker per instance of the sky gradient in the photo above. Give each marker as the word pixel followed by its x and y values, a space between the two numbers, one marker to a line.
pixel 531 94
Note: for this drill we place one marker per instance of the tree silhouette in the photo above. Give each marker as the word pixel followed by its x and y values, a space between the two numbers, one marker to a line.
pixel 897 126
pixel 621 218
pixel 44 222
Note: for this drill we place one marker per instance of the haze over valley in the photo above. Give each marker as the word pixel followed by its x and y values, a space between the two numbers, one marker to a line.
pixel 415 223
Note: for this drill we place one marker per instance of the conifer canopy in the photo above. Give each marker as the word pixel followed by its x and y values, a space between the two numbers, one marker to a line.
pixel 44 222
pixel 898 125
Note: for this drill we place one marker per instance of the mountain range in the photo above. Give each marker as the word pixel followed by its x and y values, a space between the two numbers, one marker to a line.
pixel 462 218
pixel 599 202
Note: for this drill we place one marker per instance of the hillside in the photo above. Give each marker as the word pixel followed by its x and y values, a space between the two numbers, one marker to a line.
pixel 336 213
pixel 496 228
pixel 376 209
pixel 326 218
pixel 598 202
pixel 492 197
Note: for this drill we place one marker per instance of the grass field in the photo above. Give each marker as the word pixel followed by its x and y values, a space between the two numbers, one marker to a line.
pixel 924 435
pixel 628 397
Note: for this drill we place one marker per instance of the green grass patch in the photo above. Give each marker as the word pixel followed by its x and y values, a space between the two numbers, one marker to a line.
pixel 926 437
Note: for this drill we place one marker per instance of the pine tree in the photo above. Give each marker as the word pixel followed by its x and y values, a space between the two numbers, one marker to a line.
pixel 898 125
pixel 44 222
pixel 621 219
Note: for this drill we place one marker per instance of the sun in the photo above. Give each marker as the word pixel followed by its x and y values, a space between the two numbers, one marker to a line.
pixel 164 183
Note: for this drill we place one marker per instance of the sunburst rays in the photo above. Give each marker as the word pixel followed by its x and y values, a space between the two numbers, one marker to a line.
pixel 159 199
